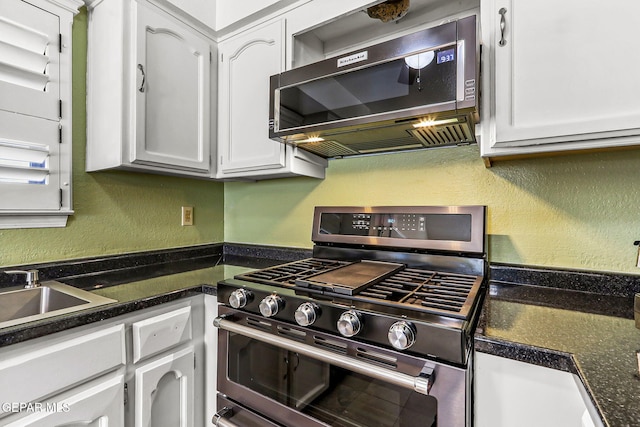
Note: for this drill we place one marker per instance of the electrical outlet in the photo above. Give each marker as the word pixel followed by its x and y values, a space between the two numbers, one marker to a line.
pixel 187 215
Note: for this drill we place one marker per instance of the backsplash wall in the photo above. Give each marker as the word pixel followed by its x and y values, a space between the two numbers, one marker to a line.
pixel 116 212
pixel 577 211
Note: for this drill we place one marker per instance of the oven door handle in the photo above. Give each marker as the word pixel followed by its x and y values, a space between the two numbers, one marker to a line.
pixel 421 384
pixel 219 419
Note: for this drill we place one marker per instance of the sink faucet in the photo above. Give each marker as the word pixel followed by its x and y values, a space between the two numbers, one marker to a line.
pixel 30 275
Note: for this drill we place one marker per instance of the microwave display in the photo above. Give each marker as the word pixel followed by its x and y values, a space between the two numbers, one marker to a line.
pixel 446 56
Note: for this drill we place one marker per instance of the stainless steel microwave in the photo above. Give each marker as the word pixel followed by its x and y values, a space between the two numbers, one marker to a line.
pixel 416 91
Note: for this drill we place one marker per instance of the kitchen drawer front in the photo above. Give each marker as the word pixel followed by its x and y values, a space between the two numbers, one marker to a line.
pixel 156 334
pixel 53 365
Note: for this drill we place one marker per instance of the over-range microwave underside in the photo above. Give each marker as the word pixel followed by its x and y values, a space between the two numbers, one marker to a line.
pixel 388 136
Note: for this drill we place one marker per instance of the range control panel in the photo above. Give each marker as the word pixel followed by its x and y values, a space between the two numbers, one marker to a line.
pixel 459 228
pixel 398 225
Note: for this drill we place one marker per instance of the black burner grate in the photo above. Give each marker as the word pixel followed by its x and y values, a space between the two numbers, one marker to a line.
pixel 448 294
pixel 441 293
pixel 286 274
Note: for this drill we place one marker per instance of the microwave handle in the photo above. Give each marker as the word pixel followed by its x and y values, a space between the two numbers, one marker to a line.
pixel 421 384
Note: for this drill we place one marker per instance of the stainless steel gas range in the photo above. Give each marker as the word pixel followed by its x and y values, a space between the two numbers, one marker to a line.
pixel 376 329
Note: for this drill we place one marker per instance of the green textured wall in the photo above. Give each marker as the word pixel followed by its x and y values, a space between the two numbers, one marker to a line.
pixel 116 212
pixel 578 211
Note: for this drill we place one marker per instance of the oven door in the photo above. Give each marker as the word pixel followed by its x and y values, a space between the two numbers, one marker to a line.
pixel 268 370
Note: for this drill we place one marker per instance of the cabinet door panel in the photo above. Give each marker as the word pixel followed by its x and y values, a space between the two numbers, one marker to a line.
pixel 172 72
pixel 61 364
pixel 247 62
pixel 566 72
pixel 97 404
pixel 513 393
pixel 165 391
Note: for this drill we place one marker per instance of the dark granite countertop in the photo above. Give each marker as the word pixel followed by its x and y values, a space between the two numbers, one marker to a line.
pixel 589 334
pixel 133 292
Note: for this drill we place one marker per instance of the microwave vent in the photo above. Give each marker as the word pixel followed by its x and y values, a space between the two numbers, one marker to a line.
pixel 376 146
pixel 444 135
pixel 328 149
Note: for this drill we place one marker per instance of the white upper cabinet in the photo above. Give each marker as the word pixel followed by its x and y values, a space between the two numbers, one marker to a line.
pixel 246 61
pixel 148 91
pixel 559 75
pixel 171 109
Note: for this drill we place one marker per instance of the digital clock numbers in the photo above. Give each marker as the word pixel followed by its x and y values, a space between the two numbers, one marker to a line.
pixel 446 56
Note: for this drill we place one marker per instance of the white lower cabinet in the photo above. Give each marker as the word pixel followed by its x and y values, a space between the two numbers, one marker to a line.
pixel 165 373
pixel 211 351
pixel 511 393
pixel 66 378
pixel 144 369
pixel 164 391
pixel 96 404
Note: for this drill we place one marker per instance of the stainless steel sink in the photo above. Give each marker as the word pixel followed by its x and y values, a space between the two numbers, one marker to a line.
pixel 20 305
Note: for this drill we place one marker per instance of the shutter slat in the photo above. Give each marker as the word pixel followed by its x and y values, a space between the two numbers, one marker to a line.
pixel 18 35
pixel 24 162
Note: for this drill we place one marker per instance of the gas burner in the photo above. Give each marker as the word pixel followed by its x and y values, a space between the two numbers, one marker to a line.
pixel 387 283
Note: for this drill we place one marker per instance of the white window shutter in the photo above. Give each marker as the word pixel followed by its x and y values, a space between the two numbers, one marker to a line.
pixel 35 112
pixel 29 60
pixel 29 163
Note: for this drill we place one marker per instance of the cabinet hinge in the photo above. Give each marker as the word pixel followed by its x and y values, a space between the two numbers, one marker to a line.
pixel 59 134
pixel 194 362
pixel 126 394
pixel 210 56
pixel 222 57
pixel 61 198
pixel 60 108
pixel 60 42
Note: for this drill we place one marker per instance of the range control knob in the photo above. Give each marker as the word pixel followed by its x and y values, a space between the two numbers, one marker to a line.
pixel 240 298
pixel 402 335
pixel 270 305
pixel 349 323
pixel 306 313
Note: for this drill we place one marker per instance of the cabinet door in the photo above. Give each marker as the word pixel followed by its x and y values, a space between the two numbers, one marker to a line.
pixel 512 393
pixel 562 71
pixel 97 404
pixel 171 93
pixel 246 63
pixel 165 391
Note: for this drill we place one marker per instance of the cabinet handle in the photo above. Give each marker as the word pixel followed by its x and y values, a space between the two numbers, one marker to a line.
pixel 503 25
pixel 141 68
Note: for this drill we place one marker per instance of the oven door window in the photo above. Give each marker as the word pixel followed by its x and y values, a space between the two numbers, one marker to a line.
pixel 332 395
